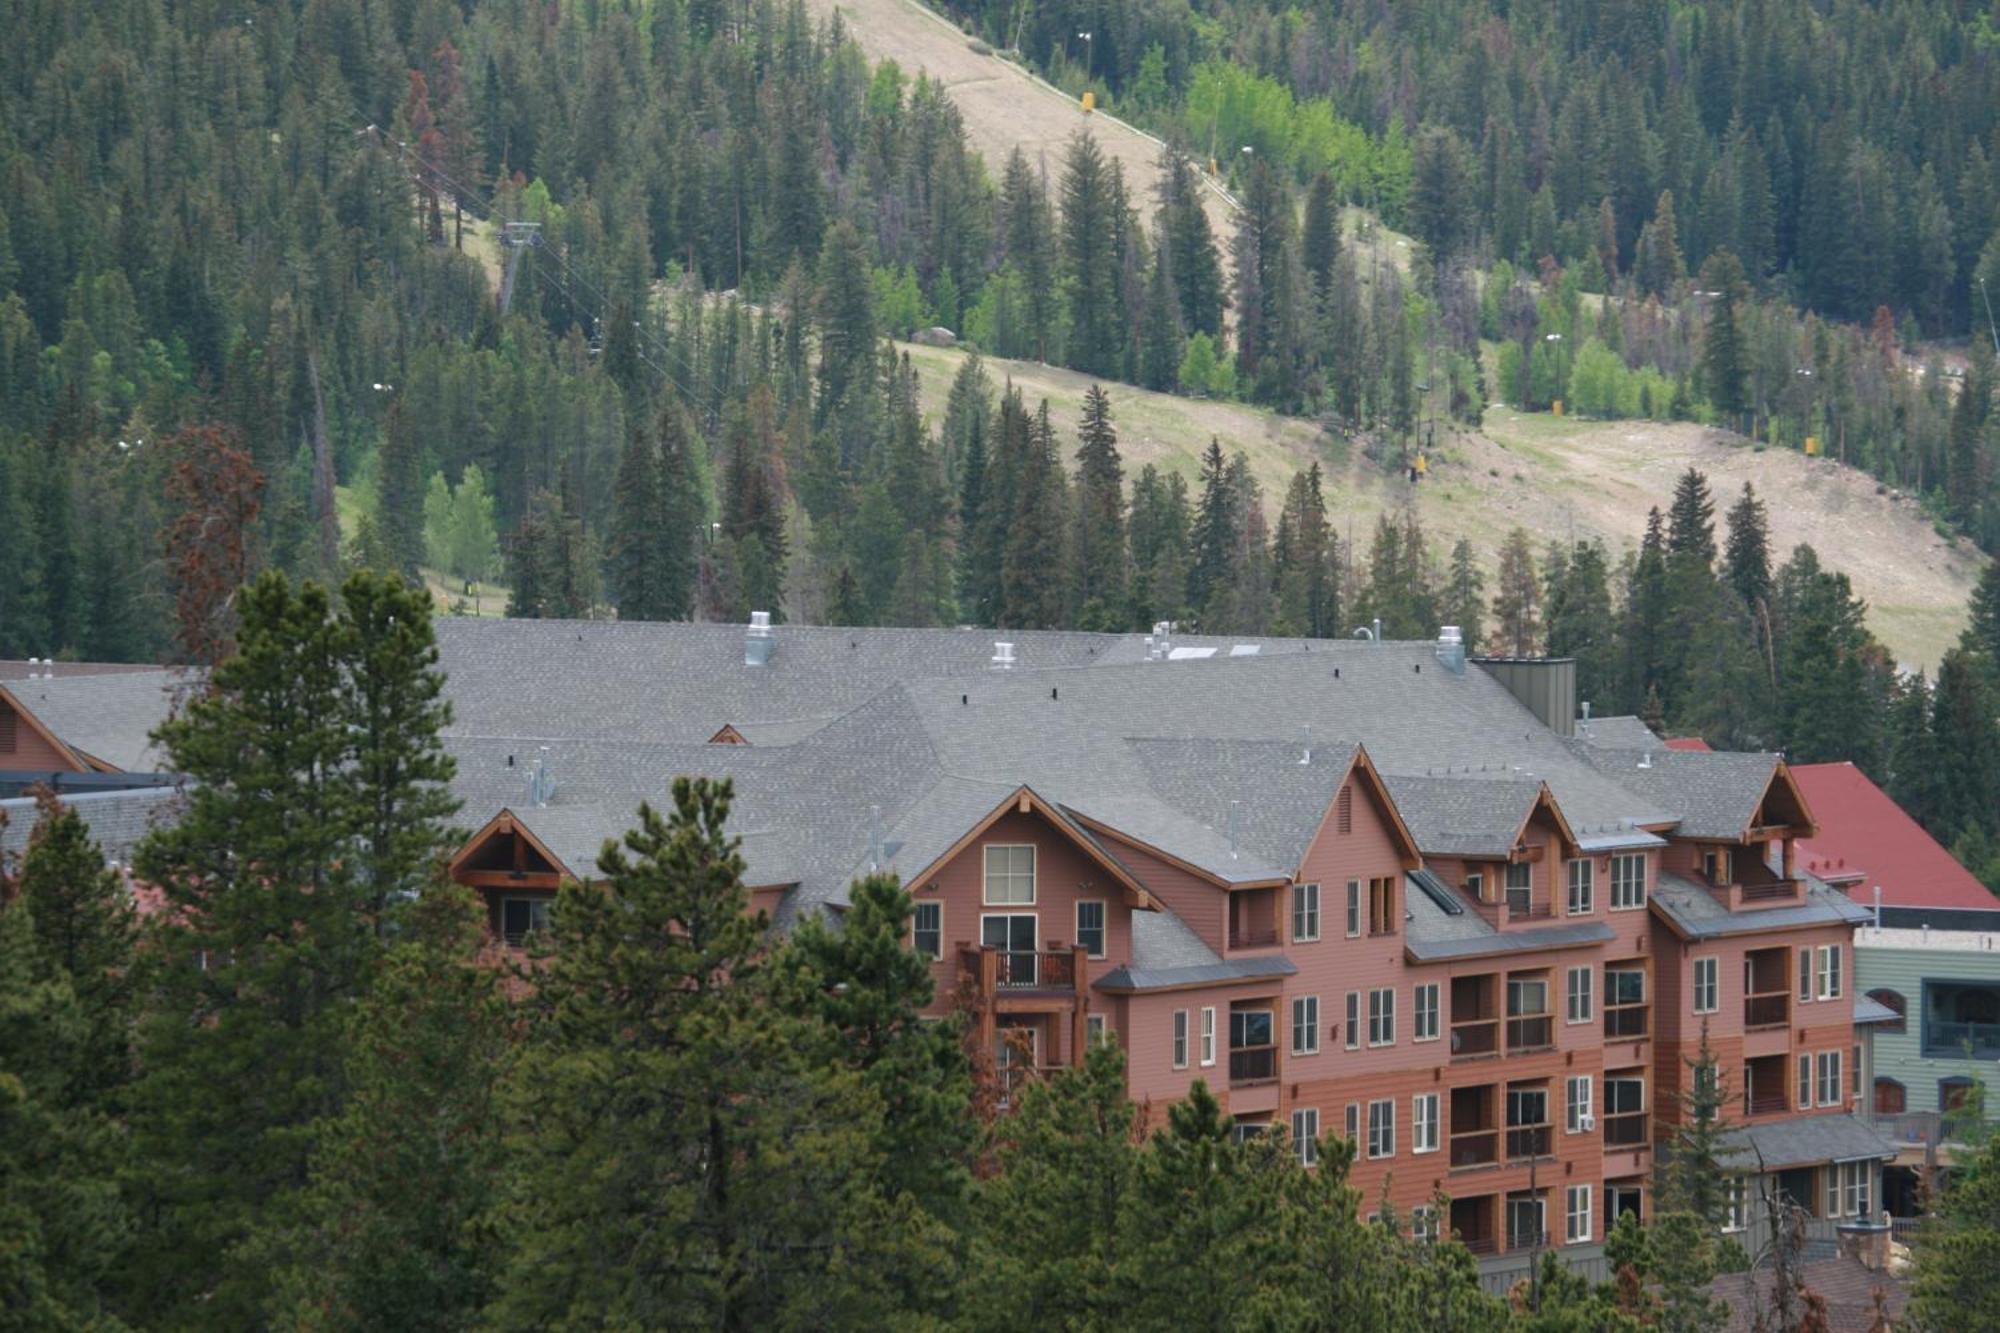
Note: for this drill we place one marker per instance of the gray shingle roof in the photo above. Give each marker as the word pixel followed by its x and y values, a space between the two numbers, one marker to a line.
pixel 1694 913
pixel 117 819
pixel 1620 732
pixel 108 716
pixel 1867 1011
pixel 1166 953
pixel 1472 814
pixel 1801 1142
pixel 1431 934
pixel 1710 794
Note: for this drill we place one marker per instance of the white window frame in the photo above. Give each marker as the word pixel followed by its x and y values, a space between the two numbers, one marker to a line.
pixel 1095 1030
pixel 1305 1025
pixel 1382 1128
pixel 1579 1100
pixel 1578 1224
pixel 1305 913
pixel 1475 884
pixel 1736 1201
pixel 1427 1020
pixel 1354 1123
pixel 1103 925
pixel 1180 1039
pixel 1579 995
pixel 1527 885
pixel 1847 1189
pixel 1827 1073
pixel 1634 866
pixel 917 911
pixel 1805 1087
pixel 1708 993
pixel 1829 974
pixel 986 881
pixel 1382 1016
pixel 1582 890
pixel 1806 975
pixel 1207 1035
pixel 1424 1133
pixel 1424 1223
pixel 1305 1135
pixel 1353 921
pixel 1351 1038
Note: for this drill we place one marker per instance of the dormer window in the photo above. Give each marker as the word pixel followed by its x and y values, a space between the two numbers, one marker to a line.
pixel 1519 887
pixel 1717 865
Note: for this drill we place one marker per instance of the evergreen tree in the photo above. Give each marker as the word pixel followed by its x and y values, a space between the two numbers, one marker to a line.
pixel 1189 245
pixel 1912 779
pixel 1967 454
pixel 847 343
pixel 1213 538
pixel 1658 267
pixel 548 564
pixel 1981 637
pixel 1305 559
pixel 1102 596
pixel 1160 342
pixel 1321 232
pixel 1517 621
pixel 1033 591
pixel 399 491
pixel 1953 1285
pixel 1647 609
pixel 1724 358
pixel 689 1165
pixel 1967 740
pixel 1580 623
pixel 1028 235
pixel 1747 560
pixel 389 1233
pixel 1090 228
pixel 1159 542
pixel 1463 601
pixel 1691 522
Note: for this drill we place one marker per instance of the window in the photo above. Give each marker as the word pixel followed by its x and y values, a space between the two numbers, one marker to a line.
pixel 1353 908
pixel 1577 1117
pixel 1580 894
pixel 1894 1002
pixel 1427 1012
pixel 1524 1221
pixel 1706 985
pixel 1624 1111
pixel 1382 1016
pixel 1716 865
pixel 1854 1073
pixel 1354 1122
pixel 1954 1092
pixel 1628 881
pixel 1013 935
pixel 1847 1189
pixel 1829 972
pixel 927 930
pixel 1891 1098
pixel 1208 1036
pixel 1382 905
pixel 1090 926
pixel 1424 1222
pixel 1305 913
pixel 1832 1088
pixel 521 917
pixel 9 731
pixel 1528 1021
pixel 1382 1129
pixel 1579 995
pixel 1625 1001
pixel 1095 1033
pixel 1527 1121
pixel 1805 1083
pixel 1475 884
pixel 1353 1039
pixel 1736 1196
pixel 1305 1025
pixel 1180 1038
pixel 1010 875
pixel 1576 1214
pixel 1305 1135
pixel 1424 1122
pixel 1805 975
pixel 1520 880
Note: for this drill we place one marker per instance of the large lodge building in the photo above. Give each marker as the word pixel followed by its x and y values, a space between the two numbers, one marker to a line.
pixel 1359 888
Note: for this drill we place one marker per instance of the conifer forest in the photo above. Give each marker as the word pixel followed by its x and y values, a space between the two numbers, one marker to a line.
pixel 320 317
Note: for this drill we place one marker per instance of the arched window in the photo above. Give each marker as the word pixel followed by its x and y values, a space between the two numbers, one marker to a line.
pixel 1890 1097
pixel 1890 999
pixel 1953 1091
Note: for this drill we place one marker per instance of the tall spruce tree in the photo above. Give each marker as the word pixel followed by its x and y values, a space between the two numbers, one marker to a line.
pixel 1102 595
pixel 1516 598
pixel 1214 535
pixel 1305 559
pixel 399 491
pixel 1090 231
pixel 1462 602
pixel 1033 586
pixel 1747 556
pixel 1189 244
pixel 1028 237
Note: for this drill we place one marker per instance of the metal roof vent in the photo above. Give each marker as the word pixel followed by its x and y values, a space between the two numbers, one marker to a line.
pixel 1646 759
pixel 1003 656
pixel 757 640
pixel 1584 725
pixel 1306 744
pixel 541 783
pixel 1235 813
pixel 1451 649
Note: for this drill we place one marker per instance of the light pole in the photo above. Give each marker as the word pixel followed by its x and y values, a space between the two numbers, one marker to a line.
pixel 1089 50
pixel 1556 340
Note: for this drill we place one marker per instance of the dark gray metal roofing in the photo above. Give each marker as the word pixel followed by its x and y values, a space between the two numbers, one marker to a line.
pixel 117 819
pixel 1468 814
pixel 1802 1142
pixel 1432 934
pixel 1694 912
pixel 108 716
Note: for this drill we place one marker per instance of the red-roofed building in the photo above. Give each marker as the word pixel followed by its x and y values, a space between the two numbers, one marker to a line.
pixel 1865 840
pixel 1695 743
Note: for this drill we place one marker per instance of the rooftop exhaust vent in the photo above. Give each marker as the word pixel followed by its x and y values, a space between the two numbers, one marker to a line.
pixel 541 783
pixel 1451 649
pixel 758 642
pixel 1003 657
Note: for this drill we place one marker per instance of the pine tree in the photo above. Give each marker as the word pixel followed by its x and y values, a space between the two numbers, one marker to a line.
pixel 1214 535
pixel 1159 542
pixel 302 818
pixel 1090 224
pixel 1102 595
pixel 1913 779
pixel 399 491
pixel 1033 570
pixel 1580 623
pixel 1981 637
pixel 387 1234
pixel 85 932
pixel 690 1166
pixel 1463 601
pixel 1724 359
pixel 1321 232
pixel 1747 560
pixel 1659 267
pixel 549 564
pixel 847 343
pixel 1028 234
pixel 1953 1285
pixel 1160 341
pixel 1691 522
pixel 1647 608
pixel 1189 245
pixel 1968 750
pixel 1517 621
pixel 1305 559
pixel 1967 465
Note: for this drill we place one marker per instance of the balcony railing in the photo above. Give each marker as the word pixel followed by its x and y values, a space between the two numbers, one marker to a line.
pixel 1531 912
pixel 1481 1038
pixel 1626 1020
pixel 1769 1103
pixel 1022 970
pixel 1479 1147
pixel 1780 890
pixel 1252 937
pixel 1481 1245
pixel 1525 1141
pixel 1627 1130
pixel 1530 1034
pixel 1526 1240
pixel 1771 1010
pixel 1950 1038
pixel 1252 1064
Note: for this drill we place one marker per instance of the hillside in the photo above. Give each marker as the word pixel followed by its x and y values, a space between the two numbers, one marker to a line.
pixel 1556 478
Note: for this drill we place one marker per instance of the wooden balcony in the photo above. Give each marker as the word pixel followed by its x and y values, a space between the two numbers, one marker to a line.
pixel 1479 1147
pixel 1769 1103
pixel 1526 1141
pixel 1530 1032
pixel 1251 1065
pixel 1629 1130
pixel 1626 1021
pixel 1046 974
pixel 1772 1009
pixel 1469 1040
pixel 1252 936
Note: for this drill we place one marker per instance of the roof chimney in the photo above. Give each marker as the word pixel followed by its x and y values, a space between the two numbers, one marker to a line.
pixel 1584 724
pixel 757 640
pixel 1646 759
pixel 1003 656
pixel 1451 649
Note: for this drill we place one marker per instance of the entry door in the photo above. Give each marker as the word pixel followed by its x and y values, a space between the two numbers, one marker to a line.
pixel 1014 937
